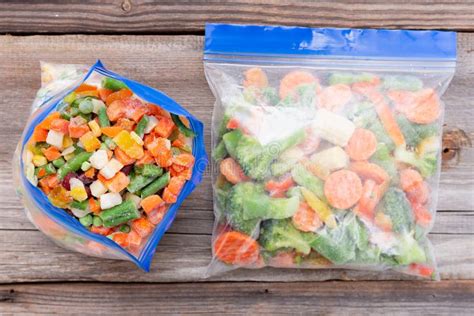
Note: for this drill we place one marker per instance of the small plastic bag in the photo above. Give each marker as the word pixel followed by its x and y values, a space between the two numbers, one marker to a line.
pixel 326 144
pixel 60 82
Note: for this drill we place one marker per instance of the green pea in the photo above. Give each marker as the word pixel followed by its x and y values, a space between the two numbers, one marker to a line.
pixel 86 220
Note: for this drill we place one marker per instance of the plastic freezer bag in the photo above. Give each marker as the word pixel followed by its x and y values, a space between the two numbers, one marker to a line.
pixel 104 162
pixel 326 146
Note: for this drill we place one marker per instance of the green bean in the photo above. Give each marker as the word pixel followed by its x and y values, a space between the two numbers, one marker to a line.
pixel 66 115
pixel 86 220
pixel 140 129
pixel 156 185
pixel 113 84
pixel 48 168
pixel 73 164
pixel 119 214
pixel 138 181
pixel 109 142
pixel 148 170
pixel 182 128
pixel 59 162
pixel 96 221
pixel 103 118
pixel 79 205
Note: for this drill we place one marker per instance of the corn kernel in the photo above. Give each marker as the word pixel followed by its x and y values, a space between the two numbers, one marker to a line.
pixel 95 128
pixel 79 194
pixel 67 141
pixel 39 160
pixel 90 142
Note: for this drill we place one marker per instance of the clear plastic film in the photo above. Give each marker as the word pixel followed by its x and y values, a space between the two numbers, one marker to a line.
pixel 68 226
pixel 326 146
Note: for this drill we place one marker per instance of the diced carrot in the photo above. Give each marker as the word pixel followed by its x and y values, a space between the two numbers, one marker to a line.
pixel 232 171
pixel 85 87
pixel 153 109
pixel 52 180
pixel 423 216
pixel 125 124
pixel 255 77
pixel 146 159
pixel 142 227
pixel 176 185
pixel 94 206
pixel 117 183
pixel 177 168
pixel 101 230
pixel 134 240
pixel 367 170
pixel 184 159
pixel 165 127
pixel 121 239
pixel 383 221
pixel 278 188
pixel 60 125
pixel 88 93
pixel 179 142
pixel 159 144
pixel 427 109
pixel 90 173
pixel 116 110
pixel 123 157
pixel 111 131
pixel 169 197
pixel 104 93
pixel 46 123
pixel 135 109
pixel 236 248
pixel 40 134
pixel 76 131
pixel 306 219
pixel 43 184
pixel 118 95
pixel 186 174
pixel 151 203
pixel 156 216
pixel 371 195
pixel 343 189
pixel 51 153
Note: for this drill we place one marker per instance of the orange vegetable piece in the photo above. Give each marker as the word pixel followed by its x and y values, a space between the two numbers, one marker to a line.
pixel 169 197
pixel 151 203
pixel 157 145
pixel 104 93
pixel 343 189
pixel 236 248
pixel 421 270
pixel 233 123
pixel 186 174
pixel 156 216
pixel 165 127
pixel 362 144
pixel 142 227
pixel 412 183
pixel 367 170
pixel 90 173
pixel 43 183
pixel 118 95
pixel 427 108
pixel 60 125
pixel 39 134
pixel 90 142
pixel 306 219
pixel 94 206
pixel 164 159
pixel 46 123
pixel 51 180
pixel 134 240
pixel 134 109
pixel 125 124
pixel 403 100
pixel 121 239
pixel 51 153
pixel 423 217
pixel 176 185
pixel 77 131
pixel 294 79
pixel 85 87
pixel 111 131
pixel 278 188
pixel 116 110
pixel 232 171
pixel 123 157
pixel 371 196
pixel 89 93
pixel 184 159
pixel 334 97
pixel 117 183
pixel 101 230
pixel 146 159
pixel 383 221
pixel 255 77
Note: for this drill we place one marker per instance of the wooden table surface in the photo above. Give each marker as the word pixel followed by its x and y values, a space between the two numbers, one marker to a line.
pixel 161 45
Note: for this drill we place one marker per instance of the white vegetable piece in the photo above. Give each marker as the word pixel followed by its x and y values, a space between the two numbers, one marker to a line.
pixel 30 174
pixel 76 183
pixel 152 122
pixel 80 213
pixel 109 200
pixel 329 160
pixel 332 127
pixel 136 138
pixel 99 159
pixel 97 105
pixel 86 165
pixel 68 151
pixel 134 198
pixel 111 168
pixel 97 188
pixel 55 139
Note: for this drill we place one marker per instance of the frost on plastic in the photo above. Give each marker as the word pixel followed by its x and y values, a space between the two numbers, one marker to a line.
pixel 325 164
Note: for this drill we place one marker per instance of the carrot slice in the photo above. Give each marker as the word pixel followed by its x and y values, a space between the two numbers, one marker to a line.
pixel 146 159
pixel 421 270
pixel 255 77
pixel 232 171
pixel 236 248
pixel 233 123
pixel 85 87
pixel 427 108
pixel 423 217
pixel 343 189
pixel 412 183
pixel 403 100
pixel 306 219
pixel 294 79
pixel 334 97
pixel 169 197
pixel 176 185
pixel 118 95
pixel 278 188
pixel 361 145
pixel 367 170
pixel 51 153
pixel 121 239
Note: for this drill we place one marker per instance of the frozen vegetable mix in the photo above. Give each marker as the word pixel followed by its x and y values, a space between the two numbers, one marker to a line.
pixel 106 165
pixel 326 146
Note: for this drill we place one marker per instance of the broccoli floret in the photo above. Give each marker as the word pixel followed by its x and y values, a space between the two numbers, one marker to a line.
pixel 396 205
pixel 383 158
pixel 409 251
pixel 267 96
pixel 414 133
pixel 306 179
pixel 427 163
pixel 231 141
pixel 234 211
pixel 219 151
pixel 256 159
pixel 349 78
pixel 409 83
pixel 303 96
pixel 280 234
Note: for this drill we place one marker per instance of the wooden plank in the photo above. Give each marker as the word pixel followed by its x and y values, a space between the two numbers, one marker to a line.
pixel 190 16
pixel 334 298
pixel 29 256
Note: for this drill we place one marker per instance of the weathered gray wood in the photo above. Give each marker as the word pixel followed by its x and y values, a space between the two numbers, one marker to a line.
pixel 189 16
pixel 327 298
pixel 174 65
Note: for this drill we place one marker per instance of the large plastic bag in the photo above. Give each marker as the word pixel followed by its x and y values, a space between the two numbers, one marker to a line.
pixel 138 238
pixel 327 146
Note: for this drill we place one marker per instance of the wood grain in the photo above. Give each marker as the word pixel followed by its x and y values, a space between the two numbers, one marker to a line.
pixel 174 65
pixel 133 16
pixel 327 298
